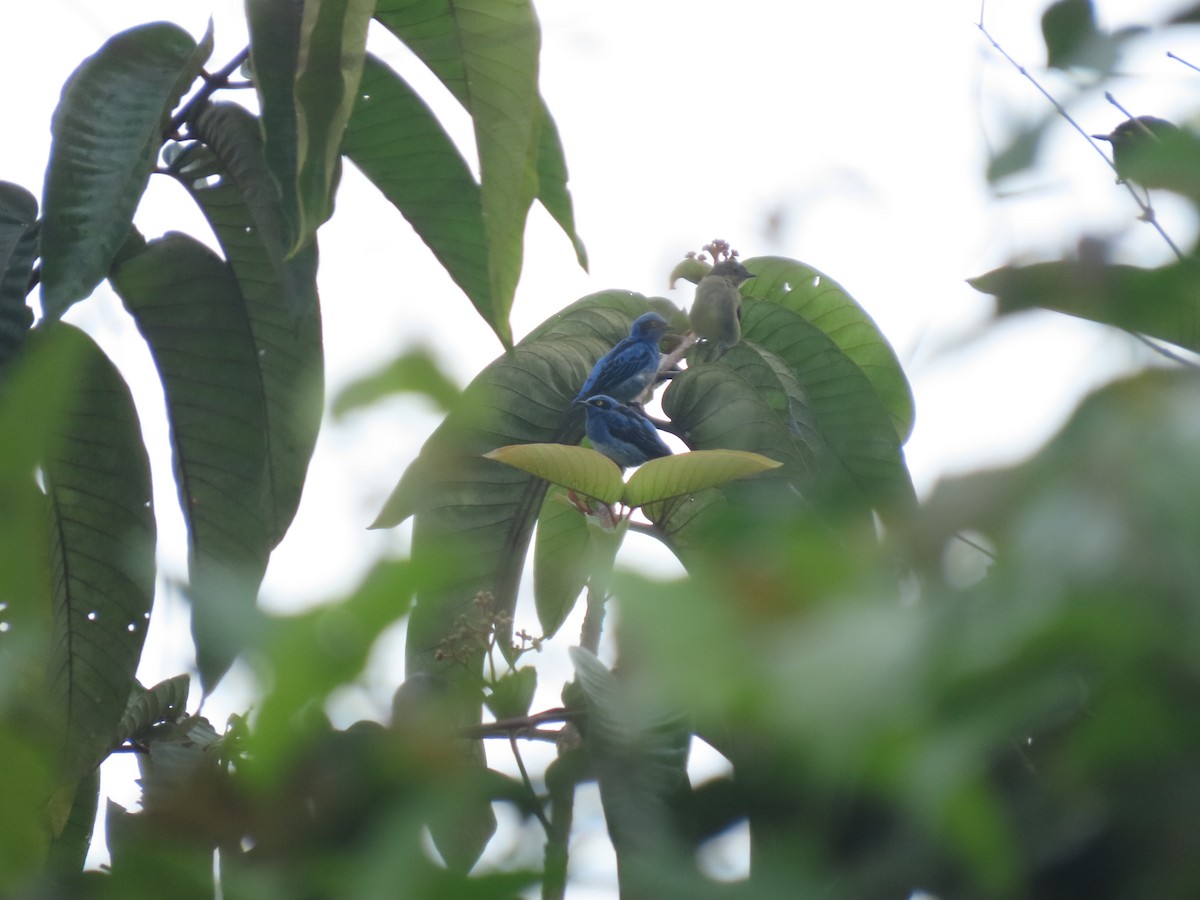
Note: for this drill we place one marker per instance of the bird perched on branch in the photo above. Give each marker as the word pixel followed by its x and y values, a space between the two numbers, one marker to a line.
pixel 1156 153
pixel 716 313
pixel 622 434
pixel 631 366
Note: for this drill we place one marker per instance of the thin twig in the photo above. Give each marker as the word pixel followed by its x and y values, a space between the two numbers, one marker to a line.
pixel 970 543
pixel 1146 209
pixel 521 726
pixel 537 804
pixel 1165 352
pixel 1190 65
pixel 212 83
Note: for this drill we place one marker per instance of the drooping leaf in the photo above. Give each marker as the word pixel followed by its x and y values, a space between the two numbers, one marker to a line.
pixel 18 248
pixel 280 294
pixel 329 64
pixel 686 473
pixel 274 57
pixel 102 555
pixel 1162 303
pixel 552 182
pixel 394 138
pixel 825 304
pixel 639 752
pixel 107 131
pixel 189 308
pixel 486 53
pixel 581 469
pixel 165 702
pixel 569 552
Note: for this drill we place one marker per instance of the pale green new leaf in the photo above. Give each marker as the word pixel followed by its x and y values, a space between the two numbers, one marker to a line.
pixel 107 131
pixel 686 473
pixel 97 478
pixel 580 469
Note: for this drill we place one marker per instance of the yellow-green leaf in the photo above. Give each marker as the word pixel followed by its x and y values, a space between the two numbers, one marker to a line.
pixel 577 468
pixel 685 473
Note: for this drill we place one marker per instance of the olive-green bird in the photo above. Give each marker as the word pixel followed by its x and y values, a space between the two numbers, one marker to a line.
pixel 716 313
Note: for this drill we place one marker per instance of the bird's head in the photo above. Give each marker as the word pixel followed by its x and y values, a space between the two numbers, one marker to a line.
pixel 733 270
pixel 598 401
pixel 648 325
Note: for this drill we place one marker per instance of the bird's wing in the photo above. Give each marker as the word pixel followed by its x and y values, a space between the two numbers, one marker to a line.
pixel 625 360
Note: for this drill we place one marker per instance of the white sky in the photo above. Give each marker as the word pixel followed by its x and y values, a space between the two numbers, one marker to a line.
pixel 859 127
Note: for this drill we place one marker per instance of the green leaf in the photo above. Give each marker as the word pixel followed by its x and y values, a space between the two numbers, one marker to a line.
pixel 165 702
pixel 415 371
pixel 639 752
pixel 1067 27
pixel 689 269
pixel 552 182
pixel 274 58
pixel 852 413
pixel 280 293
pixel 1021 151
pixel 394 138
pixel 580 469
pixel 106 132
pixel 825 304
pixel 686 473
pixel 189 308
pixel 69 850
pixel 569 551
pixel 103 535
pixel 329 64
pixel 1162 303
pixel 486 53
pixel 511 695
pixel 18 249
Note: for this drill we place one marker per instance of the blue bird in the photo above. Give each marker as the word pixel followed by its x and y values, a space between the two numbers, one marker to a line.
pixel 622 434
pixel 629 367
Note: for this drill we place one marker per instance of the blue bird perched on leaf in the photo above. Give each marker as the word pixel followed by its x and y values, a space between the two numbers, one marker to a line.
pixel 631 366
pixel 622 434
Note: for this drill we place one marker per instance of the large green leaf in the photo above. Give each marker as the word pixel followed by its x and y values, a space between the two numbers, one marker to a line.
pixel 188 306
pixel 18 248
pixel 851 416
pixel 486 53
pixel 639 752
pixel 280 293
pixel 97 477
pixel 552 183
pixel 107 131
pixel 333 42
pixel 274 57
pixel 1163 303
pixel 395 140
pixel 826 305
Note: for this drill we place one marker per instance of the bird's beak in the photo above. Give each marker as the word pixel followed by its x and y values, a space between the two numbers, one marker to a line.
pixel 582 402
pixel 1103 137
